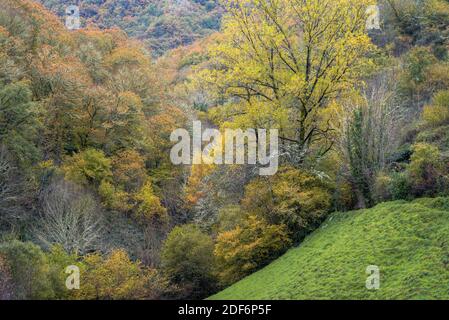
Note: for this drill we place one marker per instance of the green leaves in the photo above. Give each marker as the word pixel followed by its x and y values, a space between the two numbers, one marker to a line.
pixel 18 123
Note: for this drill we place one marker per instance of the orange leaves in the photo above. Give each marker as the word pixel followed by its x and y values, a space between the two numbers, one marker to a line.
pixel 129 169
pixel 59 69
pixel 195 188
pixel 40 23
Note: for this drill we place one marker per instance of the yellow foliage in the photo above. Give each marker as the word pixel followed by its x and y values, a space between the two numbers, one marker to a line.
pixel 296 198
pixel 284 60
pixel 114 199
pixel 150 208
pixel 127 55
pixel 113 278
pixel 438 113
pixel 89 166
pixel 246 248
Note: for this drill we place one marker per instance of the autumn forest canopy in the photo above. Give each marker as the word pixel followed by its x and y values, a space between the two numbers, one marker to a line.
pixel 87 115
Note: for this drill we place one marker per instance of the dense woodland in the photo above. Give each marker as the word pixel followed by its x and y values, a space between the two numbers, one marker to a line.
pixel 160 24
pixel 86 117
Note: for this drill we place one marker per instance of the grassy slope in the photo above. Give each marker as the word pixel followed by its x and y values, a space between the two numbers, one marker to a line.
pixel 408 241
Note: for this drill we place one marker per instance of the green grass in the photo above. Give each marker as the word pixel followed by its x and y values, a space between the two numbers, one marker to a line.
pixel 409 242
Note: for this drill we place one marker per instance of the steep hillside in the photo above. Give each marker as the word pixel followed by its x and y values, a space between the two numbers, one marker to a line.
pixel 161 24
pixel 409 242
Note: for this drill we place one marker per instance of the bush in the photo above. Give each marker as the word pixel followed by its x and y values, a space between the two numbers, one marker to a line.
pixel 29 270
pixel 59 260
pixel 344 197
pixel 150 208
pixel 382 188
pixel 437 114
pixel 249 247
pixel 400 186
pixel 113 198
pixel 425 170
pixel 297 199
pixel 423 75
pixel 417 62
pixel 88 167
pixel 188 261
pixel 424 176
pixel 116 277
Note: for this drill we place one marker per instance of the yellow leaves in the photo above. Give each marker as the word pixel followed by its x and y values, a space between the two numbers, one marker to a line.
pixel 439 6
pixel 129 99
pixel 103 40
pixel 426 163
pixel 435 115
pixel 295 198
pixel 114 198
pixel 59 70
pixel 88 167
pixel 279 61
pixel 150 208
pixel 45 165
pixel 437 76
pixel 330 116
pixel 113 278
pixel 133 56
pixel 258 114
pixel 4 33
pixel 159 128
pixel 438 113
pixel 124 119
pixel 132 189
pixel 248 247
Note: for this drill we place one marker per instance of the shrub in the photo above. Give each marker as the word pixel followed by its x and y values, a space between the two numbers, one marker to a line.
pixel 59 260
pixel 249 247
pixel 437 114
pixel 344 197
pixel 116 277
pixel 297 199
pixel 400 186
pixel 188 261
pixel 88 167
pixel 382 188
pixel 150 208
pixel 425 169
pixel 416 77
pixel 113 198
pixel 29 270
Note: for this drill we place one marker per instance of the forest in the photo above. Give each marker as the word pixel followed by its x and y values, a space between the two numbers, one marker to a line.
pixel 86 118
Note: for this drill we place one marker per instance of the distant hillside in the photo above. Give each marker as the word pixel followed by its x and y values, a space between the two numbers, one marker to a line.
pixel 161 24
pixel 409 242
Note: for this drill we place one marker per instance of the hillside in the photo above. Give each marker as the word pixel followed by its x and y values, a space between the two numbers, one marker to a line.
pixel 161 25
pixel 346 102
pixel 408 241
